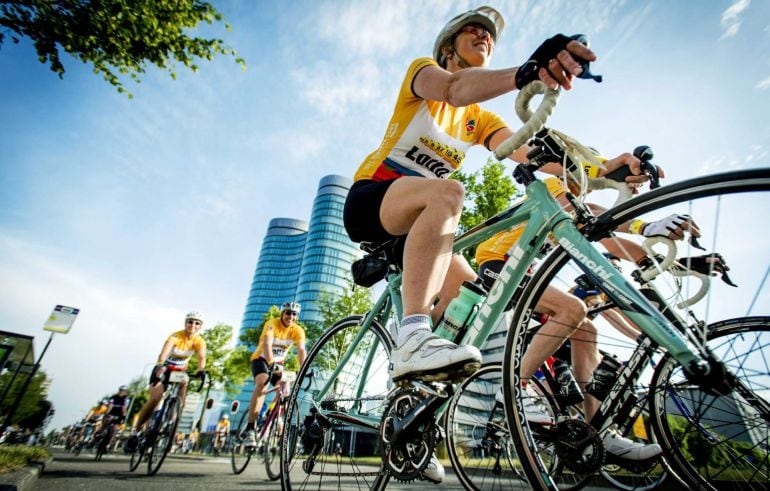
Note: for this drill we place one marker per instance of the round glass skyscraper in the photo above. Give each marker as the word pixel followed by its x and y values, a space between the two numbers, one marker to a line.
pixel 328 250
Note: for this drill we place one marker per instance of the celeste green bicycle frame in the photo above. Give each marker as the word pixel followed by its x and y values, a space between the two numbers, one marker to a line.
pixel 543 215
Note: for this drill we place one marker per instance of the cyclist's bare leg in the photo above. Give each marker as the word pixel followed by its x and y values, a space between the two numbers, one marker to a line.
pixel 183 391
pixel 156 393
pixel 620 322
pixel 459 271
pixel 567 313
pixel 429 211
pixel 585 359
pixel 257 397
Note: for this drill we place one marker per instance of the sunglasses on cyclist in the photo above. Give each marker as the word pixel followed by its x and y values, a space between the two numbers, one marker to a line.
pixel 291 313
pixel 191 321
pixel 477 30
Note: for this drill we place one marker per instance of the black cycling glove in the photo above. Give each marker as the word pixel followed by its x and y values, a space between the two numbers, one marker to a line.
pixel 528 72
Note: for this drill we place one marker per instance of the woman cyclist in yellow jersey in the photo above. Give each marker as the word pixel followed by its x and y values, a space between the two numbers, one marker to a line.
pixel 401 190
pixel 176 353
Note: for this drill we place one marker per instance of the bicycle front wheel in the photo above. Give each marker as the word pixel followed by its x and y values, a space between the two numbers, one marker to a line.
pixel 720 442
pixel 273 446
pixel 721 206
pixel 240 455
pixel 330 438
pixel 164 436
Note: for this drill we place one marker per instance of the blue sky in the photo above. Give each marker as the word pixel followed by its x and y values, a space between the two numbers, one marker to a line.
pixel 139 210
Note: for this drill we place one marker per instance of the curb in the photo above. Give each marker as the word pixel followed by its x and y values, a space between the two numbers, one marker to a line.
pixel 24 479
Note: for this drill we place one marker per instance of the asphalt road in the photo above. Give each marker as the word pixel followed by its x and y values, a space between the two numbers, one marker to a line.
pixel 68 472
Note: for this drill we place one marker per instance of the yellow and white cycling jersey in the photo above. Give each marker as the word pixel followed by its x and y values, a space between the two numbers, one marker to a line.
pixel 283 339
pixel 183 348
pixel 427 138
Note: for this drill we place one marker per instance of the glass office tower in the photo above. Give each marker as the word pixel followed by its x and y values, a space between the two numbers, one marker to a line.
pixel 277 273
pixel 328 250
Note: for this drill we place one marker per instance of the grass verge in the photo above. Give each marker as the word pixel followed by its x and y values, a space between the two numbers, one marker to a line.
pixel 15 457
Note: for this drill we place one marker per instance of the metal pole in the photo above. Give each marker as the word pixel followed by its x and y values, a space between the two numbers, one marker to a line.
pixel 23 390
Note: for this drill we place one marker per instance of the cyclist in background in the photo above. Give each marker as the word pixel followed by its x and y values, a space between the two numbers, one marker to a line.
pixel 221 432
pixel 176 353
pixel 277 338
pixel 116 411
pixel 565 315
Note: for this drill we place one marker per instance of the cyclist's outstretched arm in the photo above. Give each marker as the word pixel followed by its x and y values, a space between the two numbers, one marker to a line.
pixel 301 353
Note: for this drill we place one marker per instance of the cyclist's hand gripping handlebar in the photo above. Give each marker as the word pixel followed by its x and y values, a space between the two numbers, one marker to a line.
pixel 617 179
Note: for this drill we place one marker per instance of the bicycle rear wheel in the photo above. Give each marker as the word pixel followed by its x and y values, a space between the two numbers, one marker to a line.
pixel 331 439
pixel 478 440
pixel 240 455
pixel 710 200
pixel 720 442
pixel 136 457
pixel 164 436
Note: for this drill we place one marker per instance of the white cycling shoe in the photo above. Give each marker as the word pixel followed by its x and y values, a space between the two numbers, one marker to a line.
pixel 434 472
pixel 535 410
pixel 250 439
pixel 624 448
pixel 425 356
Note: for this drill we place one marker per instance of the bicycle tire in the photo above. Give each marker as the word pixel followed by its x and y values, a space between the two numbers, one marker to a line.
pixel 740 186
pixel 240 455
pixel 163 439
pixel 478 441
pixel 273 448
pixel 136 456
pixel 308 460
pixel 696 426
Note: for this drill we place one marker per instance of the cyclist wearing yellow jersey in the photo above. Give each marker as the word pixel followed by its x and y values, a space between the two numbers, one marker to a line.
pixel 277 338
pixel 220 433
pixel 176 353
pixel 566 314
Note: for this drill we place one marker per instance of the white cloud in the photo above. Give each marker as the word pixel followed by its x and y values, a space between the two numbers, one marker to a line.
pixel 731 18
pixel 723 163
pixel 763 84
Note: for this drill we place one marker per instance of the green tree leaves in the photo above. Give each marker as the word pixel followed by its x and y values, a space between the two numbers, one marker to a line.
pixel 488 192
pixel 117 37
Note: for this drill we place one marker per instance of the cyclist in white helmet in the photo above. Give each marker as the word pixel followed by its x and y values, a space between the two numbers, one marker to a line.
pixel 401 190
pixel 277 338
pixel 176 353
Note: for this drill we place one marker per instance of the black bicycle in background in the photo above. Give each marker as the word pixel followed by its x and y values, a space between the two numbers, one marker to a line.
pixel 156 442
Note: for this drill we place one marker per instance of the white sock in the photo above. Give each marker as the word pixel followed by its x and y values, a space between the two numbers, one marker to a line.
pixel 411 323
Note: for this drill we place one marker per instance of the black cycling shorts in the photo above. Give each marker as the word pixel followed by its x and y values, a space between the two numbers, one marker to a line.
pixel 362 211
pixel 260 366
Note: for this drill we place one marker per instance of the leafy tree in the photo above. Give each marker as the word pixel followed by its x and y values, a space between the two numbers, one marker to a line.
pixel 138 393
pixel 33 407
pixel 488 192
pixel 222 361
pixel 117 37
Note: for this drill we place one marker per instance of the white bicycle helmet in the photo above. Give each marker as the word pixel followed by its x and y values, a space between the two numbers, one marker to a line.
pixel 195 316
pixel 486 16
pixel 291 307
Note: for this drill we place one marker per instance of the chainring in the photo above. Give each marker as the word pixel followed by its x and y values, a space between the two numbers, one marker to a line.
pixel 579 447
pixel 406 460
